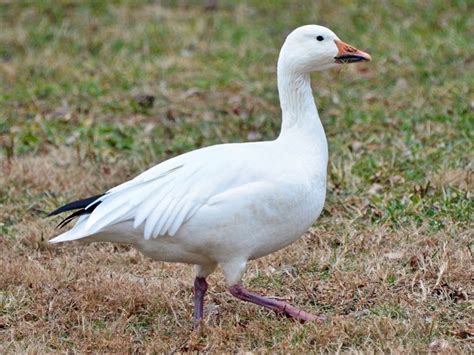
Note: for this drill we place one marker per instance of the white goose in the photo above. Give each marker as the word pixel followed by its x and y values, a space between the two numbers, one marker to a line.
pixel 228 204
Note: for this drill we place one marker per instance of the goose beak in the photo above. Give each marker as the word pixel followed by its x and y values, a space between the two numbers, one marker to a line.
pixel 349 54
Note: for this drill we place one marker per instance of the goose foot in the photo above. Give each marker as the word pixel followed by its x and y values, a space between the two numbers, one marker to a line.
pixel 278 306
pixel 200 288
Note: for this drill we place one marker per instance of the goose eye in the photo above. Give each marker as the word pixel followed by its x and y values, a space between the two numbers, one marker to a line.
pixel 320 38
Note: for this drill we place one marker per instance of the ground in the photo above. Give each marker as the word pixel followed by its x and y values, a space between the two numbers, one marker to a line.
pixel 91 93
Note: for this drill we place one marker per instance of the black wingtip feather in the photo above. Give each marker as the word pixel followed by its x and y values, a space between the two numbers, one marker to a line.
pixel 80 204
pixel 69 218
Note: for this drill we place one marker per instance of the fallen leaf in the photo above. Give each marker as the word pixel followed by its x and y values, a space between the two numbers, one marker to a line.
pixel 439 345
pixel 375 189
pixel 394 255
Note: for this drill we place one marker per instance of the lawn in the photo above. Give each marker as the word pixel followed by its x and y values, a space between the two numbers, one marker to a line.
pixel 92 93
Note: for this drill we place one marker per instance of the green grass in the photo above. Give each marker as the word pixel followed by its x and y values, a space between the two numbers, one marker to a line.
pixel 401 157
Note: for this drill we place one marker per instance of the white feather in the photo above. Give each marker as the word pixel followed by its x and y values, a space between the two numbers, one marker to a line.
pixel 179 218
pixel 154 217
pixel 155 195
pixel 160 228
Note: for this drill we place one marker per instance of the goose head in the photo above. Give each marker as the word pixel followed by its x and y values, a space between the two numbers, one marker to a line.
pixel 313 48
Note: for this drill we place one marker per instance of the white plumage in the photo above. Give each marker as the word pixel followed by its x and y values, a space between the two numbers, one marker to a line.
pixel 227 204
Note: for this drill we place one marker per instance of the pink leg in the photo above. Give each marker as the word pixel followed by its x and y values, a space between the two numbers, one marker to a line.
pixel 200 288
pixel 278 306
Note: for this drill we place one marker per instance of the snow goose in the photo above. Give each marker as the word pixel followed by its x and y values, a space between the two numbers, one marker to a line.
pixel 228 204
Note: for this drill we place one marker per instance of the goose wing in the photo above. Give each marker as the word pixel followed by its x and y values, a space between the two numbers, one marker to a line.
pixel 167 195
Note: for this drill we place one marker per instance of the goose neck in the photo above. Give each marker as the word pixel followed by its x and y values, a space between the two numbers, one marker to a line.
pixel 296 99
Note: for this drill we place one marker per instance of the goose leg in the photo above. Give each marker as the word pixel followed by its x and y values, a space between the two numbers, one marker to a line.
pixel 240 292
pixel 200 288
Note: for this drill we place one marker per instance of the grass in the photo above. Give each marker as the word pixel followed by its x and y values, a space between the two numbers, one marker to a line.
pixel 390 260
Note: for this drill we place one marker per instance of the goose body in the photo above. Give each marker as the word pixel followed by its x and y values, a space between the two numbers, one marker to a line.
pixel 230 203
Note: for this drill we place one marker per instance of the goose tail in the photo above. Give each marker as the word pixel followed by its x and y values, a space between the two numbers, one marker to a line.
pixel 77 232
pixel 83 208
